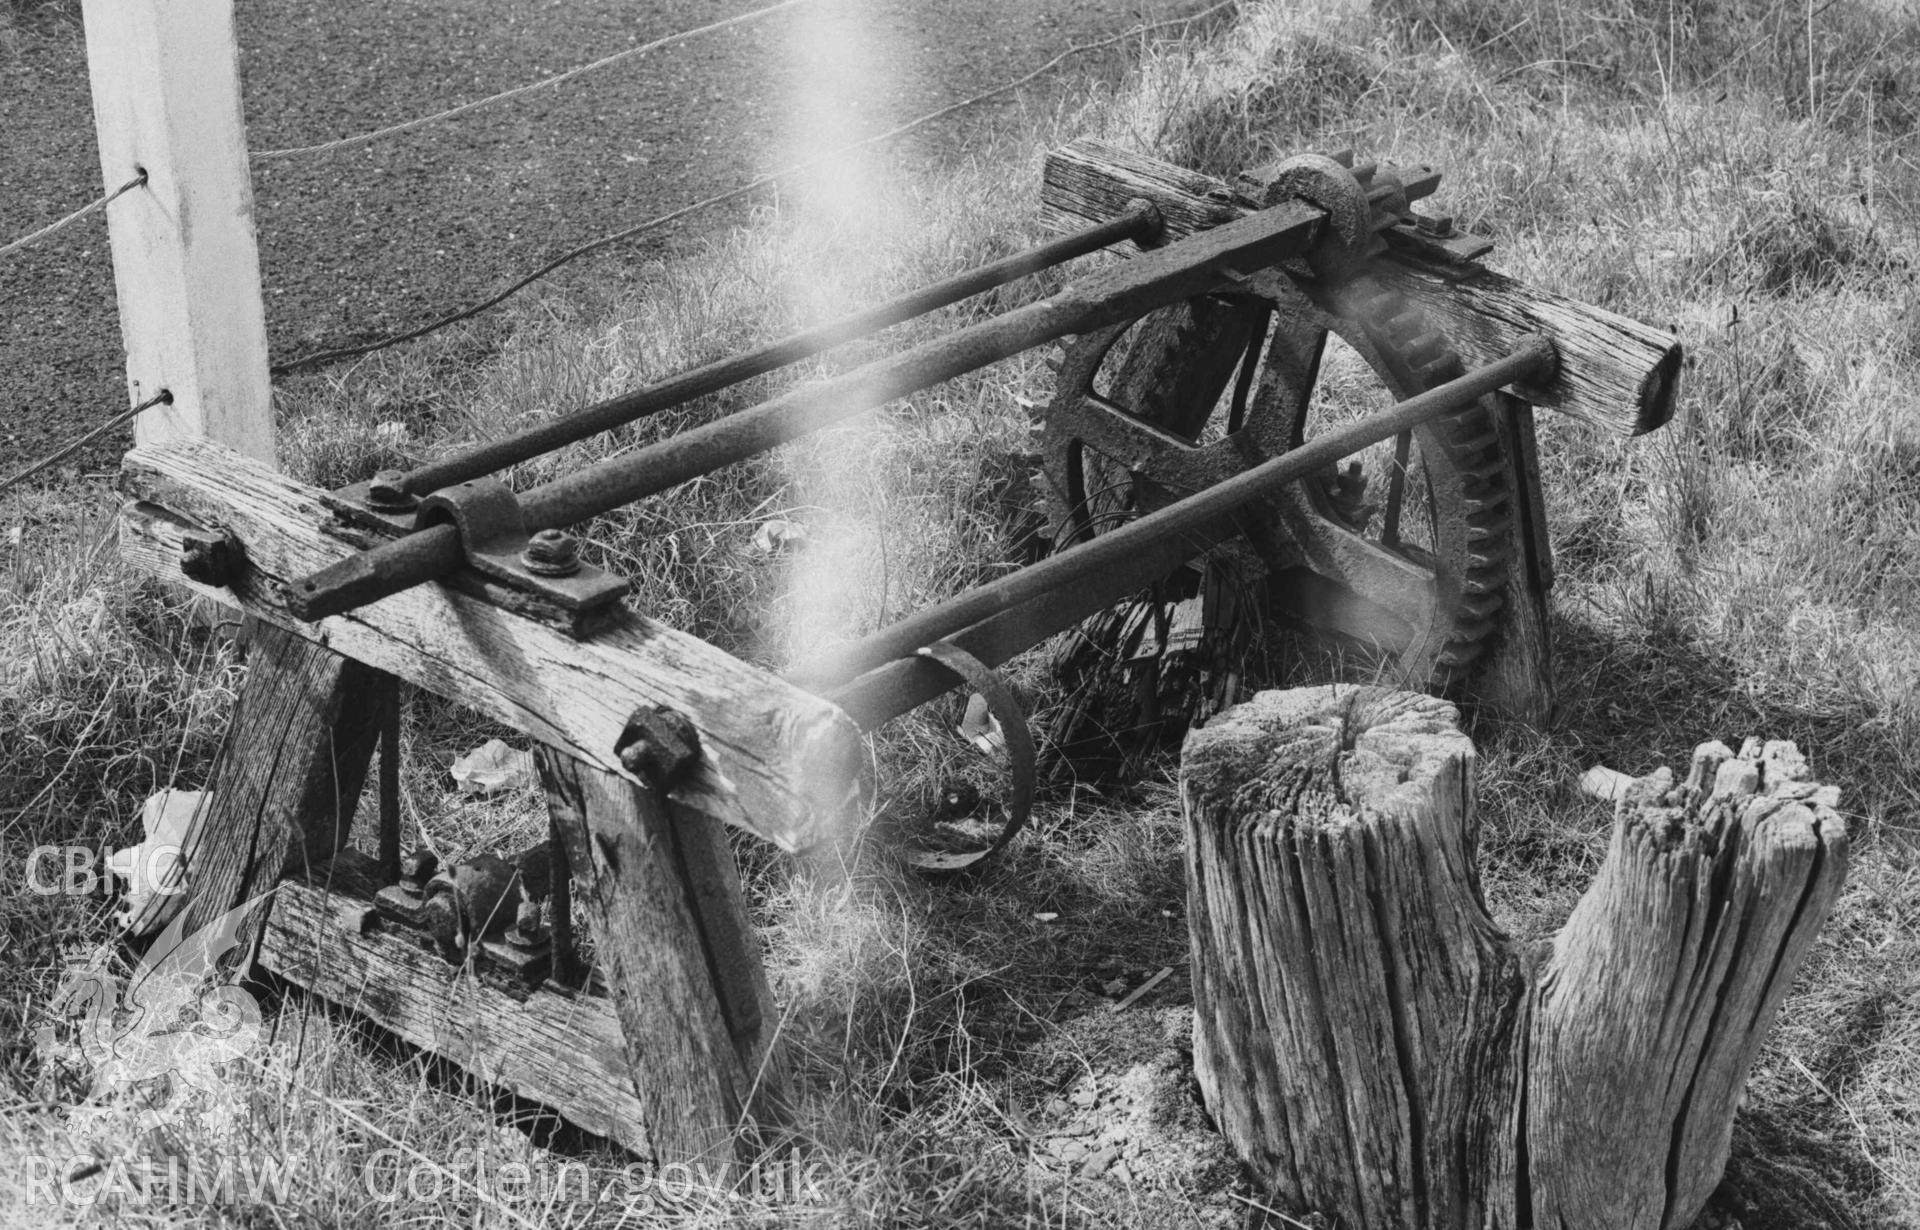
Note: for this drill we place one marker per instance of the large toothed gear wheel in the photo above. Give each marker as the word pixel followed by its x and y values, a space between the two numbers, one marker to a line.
pixel 1400 551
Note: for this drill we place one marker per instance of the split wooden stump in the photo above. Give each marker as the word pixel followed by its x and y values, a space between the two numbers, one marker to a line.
pixel 1377 1049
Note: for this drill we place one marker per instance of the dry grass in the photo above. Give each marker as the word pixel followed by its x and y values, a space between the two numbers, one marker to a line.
pixel 1753 568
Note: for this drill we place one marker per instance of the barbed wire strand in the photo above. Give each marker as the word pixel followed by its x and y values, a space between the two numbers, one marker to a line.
pixel 163 397
pixel 366 138
pixel 731 194
pixel 75 216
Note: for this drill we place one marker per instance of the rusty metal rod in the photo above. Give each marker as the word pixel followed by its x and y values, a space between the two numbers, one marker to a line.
pixel 1002 618
pixel 1140 221
pixel 1201 263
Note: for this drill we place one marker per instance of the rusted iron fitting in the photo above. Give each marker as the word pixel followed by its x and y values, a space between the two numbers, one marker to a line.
pixel 212 557
pixel 387 492
pixel 659 745
pixel 1325 184
pixel 552 553
pixel 527 932
pixel 417 868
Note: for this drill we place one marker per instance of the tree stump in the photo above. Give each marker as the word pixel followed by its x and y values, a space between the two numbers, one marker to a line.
pixel 1377 1049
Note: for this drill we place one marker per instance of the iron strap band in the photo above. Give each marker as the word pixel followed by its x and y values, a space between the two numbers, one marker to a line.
pixel 1000 702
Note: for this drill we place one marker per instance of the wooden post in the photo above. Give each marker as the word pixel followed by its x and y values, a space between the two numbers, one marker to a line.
pixel 166 99
pixel 672 939
pixel 288 777
pixel 1377 1050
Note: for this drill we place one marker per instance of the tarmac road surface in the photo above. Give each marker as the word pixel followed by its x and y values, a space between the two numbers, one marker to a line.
pixel 358 244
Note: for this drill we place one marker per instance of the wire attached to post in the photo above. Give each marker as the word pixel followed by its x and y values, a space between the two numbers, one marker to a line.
pixel 76 215
pixel 162 398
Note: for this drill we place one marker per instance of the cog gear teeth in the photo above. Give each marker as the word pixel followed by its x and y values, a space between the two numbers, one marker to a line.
pixel 1467 484
pixel 1485 446
pixel 1482 606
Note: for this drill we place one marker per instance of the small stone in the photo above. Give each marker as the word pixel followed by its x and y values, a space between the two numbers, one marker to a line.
pixel 1056 1106
pixel 1083 1096
pixel 1070 1151
pixel 1122 1173
pixel 1115 988
pixel 1100 1163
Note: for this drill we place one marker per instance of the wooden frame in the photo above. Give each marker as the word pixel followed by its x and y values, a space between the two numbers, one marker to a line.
pixel 668 1048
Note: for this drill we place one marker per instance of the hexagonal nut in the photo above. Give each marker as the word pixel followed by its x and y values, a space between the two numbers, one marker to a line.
pixel 552 553
pixel 387 492
pixel 212 557
pixel 659 745
pixel 417 868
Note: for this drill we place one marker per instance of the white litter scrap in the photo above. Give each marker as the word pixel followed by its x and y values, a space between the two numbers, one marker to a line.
pixel 493 768
pixel 777 537
pixel 155 865
pixel 979 727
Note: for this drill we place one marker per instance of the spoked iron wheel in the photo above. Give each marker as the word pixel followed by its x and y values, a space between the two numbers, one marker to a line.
pixel 1398 555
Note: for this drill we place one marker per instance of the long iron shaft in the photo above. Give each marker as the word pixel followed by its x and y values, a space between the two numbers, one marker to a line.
pixel 1140 221
pixel 1005 617
pixel 1196 265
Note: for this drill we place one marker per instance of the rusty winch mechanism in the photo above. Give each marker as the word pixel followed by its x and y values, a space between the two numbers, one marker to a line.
pixel 1294 385
pixel 1217 400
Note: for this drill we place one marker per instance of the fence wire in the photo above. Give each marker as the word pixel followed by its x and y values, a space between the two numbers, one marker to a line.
pixel 163 397
pixel 75 216
pixel 732 194
pixel 365 138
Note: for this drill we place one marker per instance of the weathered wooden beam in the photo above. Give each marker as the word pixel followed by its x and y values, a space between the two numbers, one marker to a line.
pixel 286 781
pixel 1378 1050
pixel 779 762
pixel 558 1047
pixel 1615 373
pixel 679 956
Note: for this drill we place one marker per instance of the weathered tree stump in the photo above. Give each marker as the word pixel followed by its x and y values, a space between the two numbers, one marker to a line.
pixel 1377 1049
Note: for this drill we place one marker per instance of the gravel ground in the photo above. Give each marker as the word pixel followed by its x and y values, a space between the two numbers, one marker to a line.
pixel 361 243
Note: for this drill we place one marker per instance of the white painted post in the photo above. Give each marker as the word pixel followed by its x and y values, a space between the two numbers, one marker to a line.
pixel 166 97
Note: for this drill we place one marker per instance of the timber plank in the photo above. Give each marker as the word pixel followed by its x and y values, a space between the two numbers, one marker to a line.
pixel 561 1049
pixel 1615 373
pixel 780 763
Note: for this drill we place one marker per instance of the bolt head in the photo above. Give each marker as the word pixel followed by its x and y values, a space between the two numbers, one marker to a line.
pixel 1434 224
pixel 387 492
pixel 212 559
pixel 417 868
pixel 659 745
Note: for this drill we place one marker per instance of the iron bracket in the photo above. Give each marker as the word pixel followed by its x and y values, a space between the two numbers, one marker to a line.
pixel 493 536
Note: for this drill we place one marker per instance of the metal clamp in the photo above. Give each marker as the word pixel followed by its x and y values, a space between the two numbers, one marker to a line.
pixel 493 536
pixel 1020 750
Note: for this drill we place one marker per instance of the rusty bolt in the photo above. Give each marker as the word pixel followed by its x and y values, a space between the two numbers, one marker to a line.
pixel 552 553
pixel 387 492
pixel 526 931
pixel 1439 225
pixel 659 745
pixel 212 558
pixel 417 868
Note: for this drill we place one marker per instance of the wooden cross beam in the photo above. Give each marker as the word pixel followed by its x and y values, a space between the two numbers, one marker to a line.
pixel 780 762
